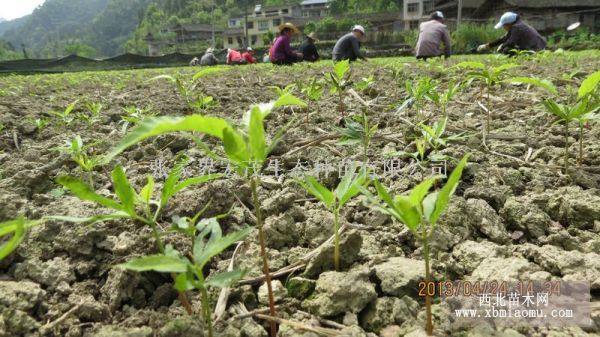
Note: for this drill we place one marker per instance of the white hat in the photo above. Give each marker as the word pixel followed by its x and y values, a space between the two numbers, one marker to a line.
pixel 249 49
pixel 507 18
pixel 359 28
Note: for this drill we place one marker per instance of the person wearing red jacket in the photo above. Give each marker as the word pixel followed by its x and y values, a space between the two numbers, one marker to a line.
pixel 249 56
pixel 235 57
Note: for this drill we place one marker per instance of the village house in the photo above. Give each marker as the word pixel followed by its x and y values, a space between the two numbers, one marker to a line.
pixel 194 32
pixel 544 15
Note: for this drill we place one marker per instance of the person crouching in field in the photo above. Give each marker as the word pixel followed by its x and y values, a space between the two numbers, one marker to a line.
pixel 519 36
pixel 281 52
pixel 209 59
pixel 308 48
pixel 348 46
pixel 248 55
pixel 234 57
pixel 194 62
pixel 432 34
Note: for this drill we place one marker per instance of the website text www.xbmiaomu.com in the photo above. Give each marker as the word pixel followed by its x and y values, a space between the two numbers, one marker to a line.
pixel 533 303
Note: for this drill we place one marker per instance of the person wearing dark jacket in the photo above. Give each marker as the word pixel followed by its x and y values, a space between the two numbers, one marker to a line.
pixel 348 46
pixel 308 48
pixel 519 36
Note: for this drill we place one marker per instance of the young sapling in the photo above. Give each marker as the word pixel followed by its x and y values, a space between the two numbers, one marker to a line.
pixel 207 242
pixel 350 186
pixel 420 211
pixel 246 150
pixel 128 201
pixel 490 76
pixel 338 83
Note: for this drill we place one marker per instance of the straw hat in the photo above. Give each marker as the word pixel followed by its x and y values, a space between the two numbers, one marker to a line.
pixel 312 36
pixel 289 25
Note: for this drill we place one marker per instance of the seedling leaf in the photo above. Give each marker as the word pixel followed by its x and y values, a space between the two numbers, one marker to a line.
pixel 123 190
pixel 542 83
pixel 589 84
pixel 85 192
pixel 211 126
pixel 159 263
pixel 447 191
pixel 226 279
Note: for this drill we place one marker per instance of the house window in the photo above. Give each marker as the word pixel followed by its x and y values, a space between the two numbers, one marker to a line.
pixel 250 25
pixel 413 7
pixel 263 25
pixel 232 23
pixel 413 24
pixel 230 40
pixel 276 22
pixel 253 38
pixel 285 11
pixel 428 6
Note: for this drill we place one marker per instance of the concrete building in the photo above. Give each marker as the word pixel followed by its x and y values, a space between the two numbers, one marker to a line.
pixel 414 11
pixel 315 8
pixel 264 20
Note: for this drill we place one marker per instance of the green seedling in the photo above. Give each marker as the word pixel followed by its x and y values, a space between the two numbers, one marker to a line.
pixel 583 109
pixel 420 211
pixel 490 76
pixel 287 95
pixel 94 110
pixel 339 83
pixel 134 115
pixel 418 156
pixel 442 100
pixel 183 88
pixel 358 130
pixel 79 154
pixel 41 123
pixel 567 114
pixel 365 83
pixel 207 242
pixel 314 92
pixel 16 229
pixel 434 135
pixel 129 204
pixel 188 89
pixel 202 102
pixel 2 127
pixel 334 200
pixel 287 90
pixel 65 116
pixel 245 150
pixel 417 93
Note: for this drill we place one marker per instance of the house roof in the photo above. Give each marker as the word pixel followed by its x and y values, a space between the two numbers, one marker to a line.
pixel 313 2
pixel 453 3
pixel 195 28
pixel 553 3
